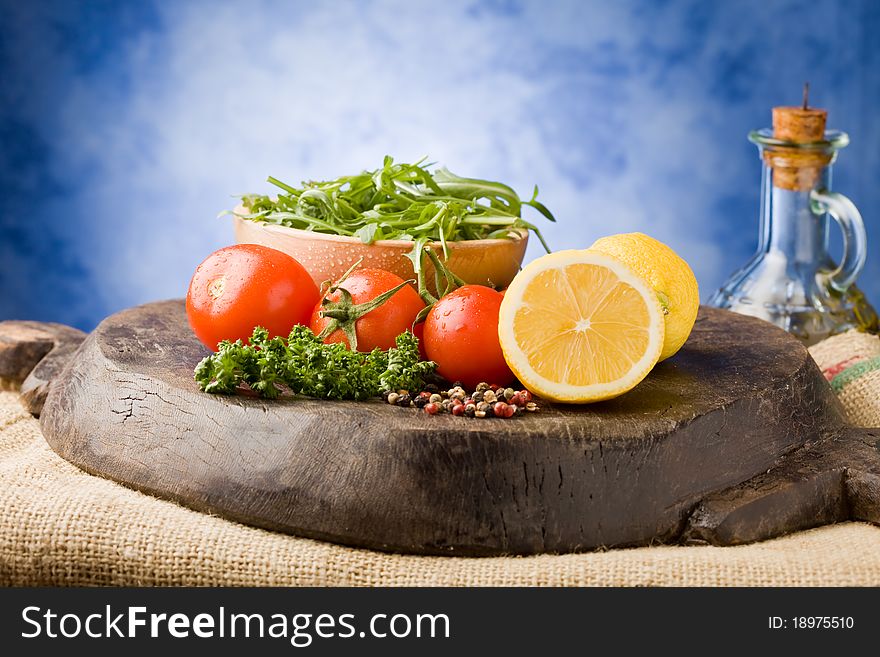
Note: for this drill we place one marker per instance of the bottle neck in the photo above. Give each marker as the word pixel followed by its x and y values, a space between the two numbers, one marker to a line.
pixel 789 227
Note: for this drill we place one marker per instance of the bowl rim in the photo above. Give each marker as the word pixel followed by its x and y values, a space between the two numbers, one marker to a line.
pixel 523 235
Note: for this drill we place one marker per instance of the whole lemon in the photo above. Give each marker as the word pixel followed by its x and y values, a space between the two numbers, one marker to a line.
pixel 665 271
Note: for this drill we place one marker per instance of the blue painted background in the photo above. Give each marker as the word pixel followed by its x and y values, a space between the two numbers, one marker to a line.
pixel 126 127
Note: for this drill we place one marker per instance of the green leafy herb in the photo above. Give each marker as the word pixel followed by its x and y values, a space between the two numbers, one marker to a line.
pixel 309 367
pixel 399 201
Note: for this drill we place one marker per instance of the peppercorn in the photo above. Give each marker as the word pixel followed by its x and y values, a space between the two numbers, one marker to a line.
pixel 486 401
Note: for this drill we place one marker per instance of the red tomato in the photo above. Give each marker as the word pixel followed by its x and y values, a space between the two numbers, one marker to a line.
pixel 380 326
pixel 461 336
pixel 245 285
pixel 419 331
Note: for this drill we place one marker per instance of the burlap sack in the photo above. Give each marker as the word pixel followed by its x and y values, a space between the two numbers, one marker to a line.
pixel 851 363
pixel 61 526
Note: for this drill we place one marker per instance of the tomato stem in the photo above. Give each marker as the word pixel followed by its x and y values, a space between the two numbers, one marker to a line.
pixel 344 313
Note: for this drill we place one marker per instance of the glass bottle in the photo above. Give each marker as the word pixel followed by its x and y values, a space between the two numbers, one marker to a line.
pixel 792 280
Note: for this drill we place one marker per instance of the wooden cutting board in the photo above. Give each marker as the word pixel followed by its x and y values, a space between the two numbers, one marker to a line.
pixel 737 438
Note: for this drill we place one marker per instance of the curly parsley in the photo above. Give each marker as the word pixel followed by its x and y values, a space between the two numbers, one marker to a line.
pixel 309 367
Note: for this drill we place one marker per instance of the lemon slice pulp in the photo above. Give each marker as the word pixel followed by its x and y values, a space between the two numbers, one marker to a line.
pixel 578 326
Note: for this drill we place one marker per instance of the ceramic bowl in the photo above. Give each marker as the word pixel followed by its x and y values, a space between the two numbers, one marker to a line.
pixel 327 257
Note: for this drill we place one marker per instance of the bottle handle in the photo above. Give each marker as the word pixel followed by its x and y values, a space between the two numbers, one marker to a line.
pixel 855 240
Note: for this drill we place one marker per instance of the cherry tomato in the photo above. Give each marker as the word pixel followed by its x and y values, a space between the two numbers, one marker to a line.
pixel 245 285
pixel 461 336
pixel 380 326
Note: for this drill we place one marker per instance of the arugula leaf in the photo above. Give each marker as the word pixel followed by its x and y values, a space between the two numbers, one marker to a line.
pixel 369 233
pixel 398 201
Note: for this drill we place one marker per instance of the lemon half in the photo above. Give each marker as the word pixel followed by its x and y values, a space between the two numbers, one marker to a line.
pixel 579 326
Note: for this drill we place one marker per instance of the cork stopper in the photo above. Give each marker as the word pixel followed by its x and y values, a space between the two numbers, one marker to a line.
pixel 793 168
pixel 802 125
pixel 799 125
